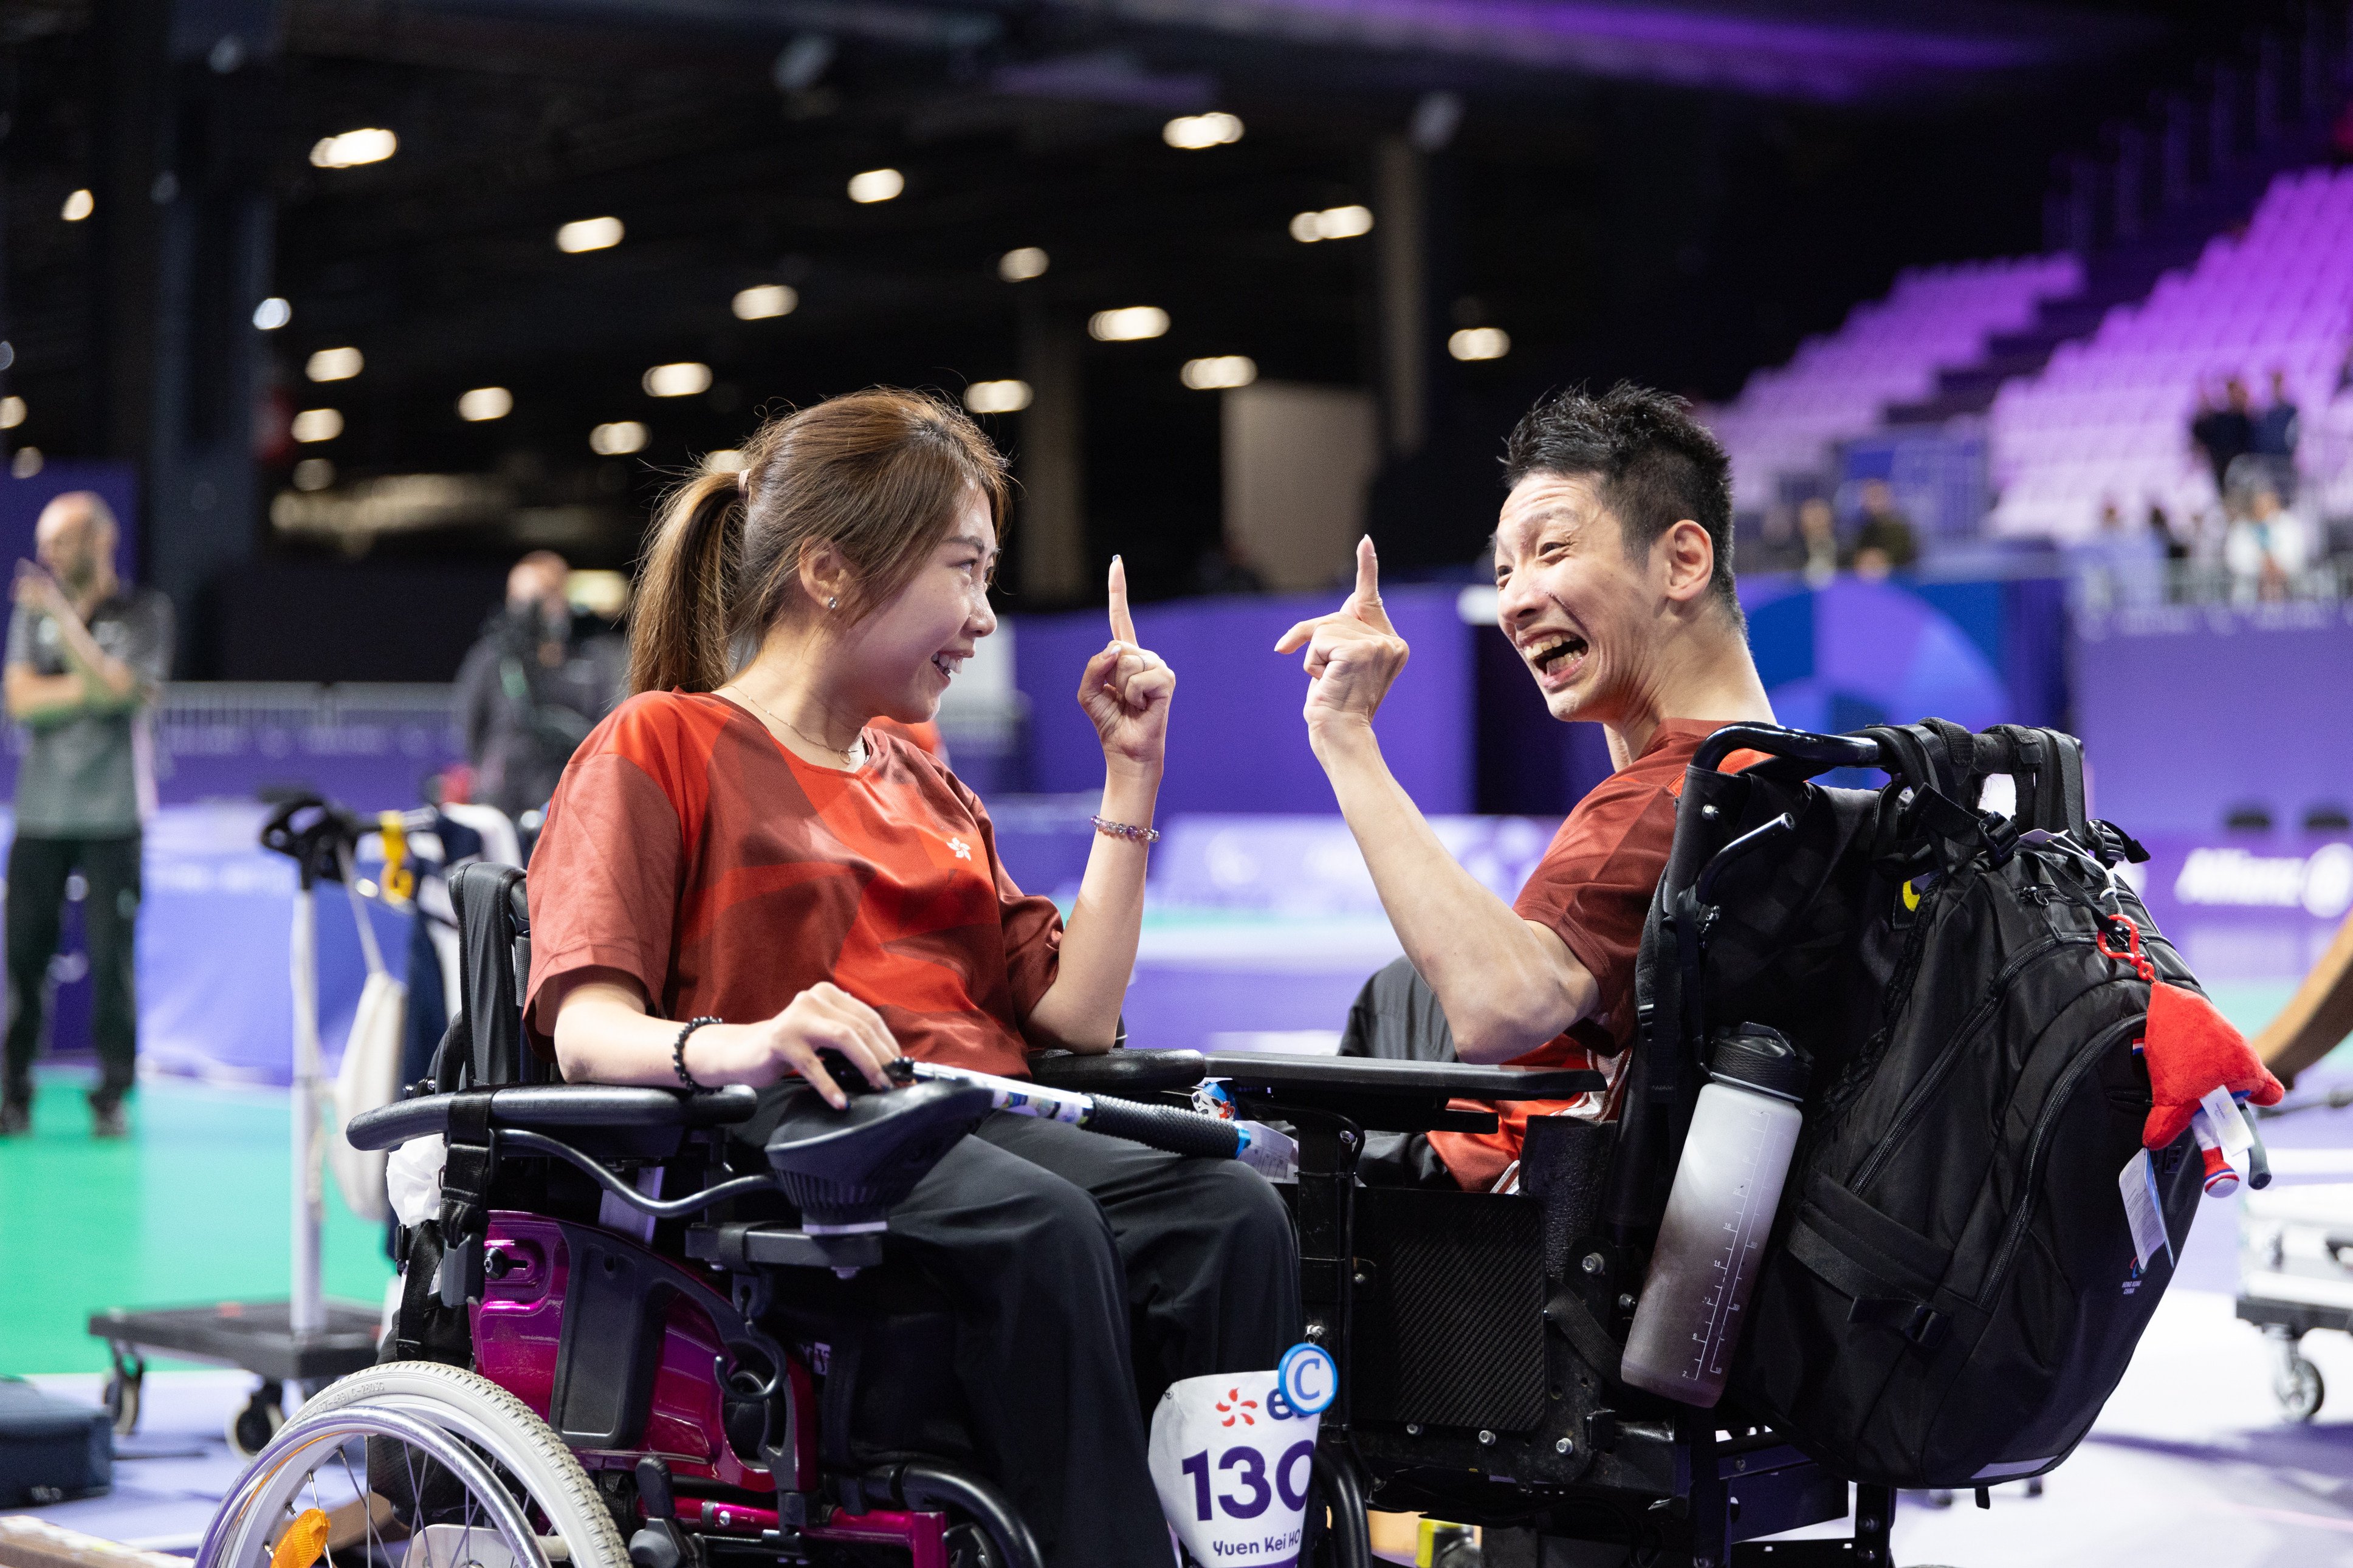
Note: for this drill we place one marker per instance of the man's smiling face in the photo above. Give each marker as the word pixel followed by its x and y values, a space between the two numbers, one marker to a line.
pixel 1582 613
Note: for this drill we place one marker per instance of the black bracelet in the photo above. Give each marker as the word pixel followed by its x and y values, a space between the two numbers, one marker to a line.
pixel 678 1052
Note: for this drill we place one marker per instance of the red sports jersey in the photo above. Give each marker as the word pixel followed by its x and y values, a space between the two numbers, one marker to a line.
pixel 1593 888
pixel 687 849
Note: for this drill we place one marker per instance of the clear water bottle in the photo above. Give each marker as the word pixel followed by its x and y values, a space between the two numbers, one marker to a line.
pixel 1719 1214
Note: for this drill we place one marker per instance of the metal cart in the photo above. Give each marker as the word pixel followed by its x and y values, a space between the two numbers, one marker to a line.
pixel 306 1340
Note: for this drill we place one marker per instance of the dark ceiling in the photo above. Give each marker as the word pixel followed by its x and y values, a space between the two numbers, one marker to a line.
pixel 1673 194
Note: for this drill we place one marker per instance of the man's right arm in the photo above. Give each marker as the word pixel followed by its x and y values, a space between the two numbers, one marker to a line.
pixel 1506 985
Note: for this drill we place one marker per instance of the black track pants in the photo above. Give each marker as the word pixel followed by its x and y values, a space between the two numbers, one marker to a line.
pixel 37 868
pixel 1089 1273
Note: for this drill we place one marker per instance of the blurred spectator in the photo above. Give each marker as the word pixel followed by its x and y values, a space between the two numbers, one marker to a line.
pixel 1225 568
pixel 2160 529
pixel 2223 434
pixel 533 686
pixel 2268 545
pixel 2122 565
pixel 1818 531
pixel 1886 542
pixel 2273 437
pixel 87 657
pixel 1777 547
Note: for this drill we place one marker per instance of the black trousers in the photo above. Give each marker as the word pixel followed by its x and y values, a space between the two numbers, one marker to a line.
pixel 1087 1274
pixel 37 868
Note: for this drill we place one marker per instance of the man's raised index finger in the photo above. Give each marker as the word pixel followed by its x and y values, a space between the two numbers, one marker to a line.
pixel 1367 599
pixel 1123 625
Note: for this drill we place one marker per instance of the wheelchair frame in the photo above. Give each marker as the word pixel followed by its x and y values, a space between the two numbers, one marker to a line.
pixel 1496 1406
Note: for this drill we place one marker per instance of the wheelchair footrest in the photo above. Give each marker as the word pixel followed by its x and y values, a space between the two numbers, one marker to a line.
pixel 781 1246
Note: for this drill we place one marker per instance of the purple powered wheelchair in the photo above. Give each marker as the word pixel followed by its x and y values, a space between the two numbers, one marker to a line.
pixel 584 1370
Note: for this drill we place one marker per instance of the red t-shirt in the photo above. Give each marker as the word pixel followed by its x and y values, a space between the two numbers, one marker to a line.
pixel 1593 888
pixel 687 849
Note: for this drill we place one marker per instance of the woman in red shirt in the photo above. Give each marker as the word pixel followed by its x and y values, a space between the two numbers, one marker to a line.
pixel 741 868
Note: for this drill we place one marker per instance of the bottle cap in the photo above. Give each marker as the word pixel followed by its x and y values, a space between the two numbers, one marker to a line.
pixel 1754 1057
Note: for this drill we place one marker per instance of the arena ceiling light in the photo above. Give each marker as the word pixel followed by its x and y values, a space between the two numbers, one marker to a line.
pixel 588 233
pixel 1021 265
pixel 318 425
pixel 876 185
pixel 1195 132
pixel 353 148
pixel 764 300
pixel 997 397
pixel 1219 372
pixel 484 403
pixel 335 365
pixel 1131 324
pixel 12 413
pixel 684 379
pixel 1332 223
pixel 78 205
pixel 272 313
pixel 25 463
pixel 618 439
pixel 727 460
pixel 313 474
pixel 1479 343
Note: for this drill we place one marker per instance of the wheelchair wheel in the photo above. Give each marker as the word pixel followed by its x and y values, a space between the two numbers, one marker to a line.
pixel 431 1456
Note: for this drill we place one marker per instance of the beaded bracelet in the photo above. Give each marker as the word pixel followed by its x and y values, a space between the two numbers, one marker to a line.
pixel 678 1053
pixel 1128 831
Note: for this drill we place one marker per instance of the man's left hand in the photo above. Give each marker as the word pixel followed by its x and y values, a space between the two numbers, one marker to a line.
pixel 1353 655
pixel 36 590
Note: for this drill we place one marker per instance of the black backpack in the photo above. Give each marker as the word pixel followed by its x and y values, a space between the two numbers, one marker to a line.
pixel 1951 1289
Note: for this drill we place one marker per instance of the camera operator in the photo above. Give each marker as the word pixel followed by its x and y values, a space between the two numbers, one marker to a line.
pixel 533 686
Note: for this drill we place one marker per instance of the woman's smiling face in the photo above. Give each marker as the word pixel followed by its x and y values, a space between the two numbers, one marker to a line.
pixel 901 658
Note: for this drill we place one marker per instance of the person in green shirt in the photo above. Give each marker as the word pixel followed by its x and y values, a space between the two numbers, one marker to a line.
pixel 85 659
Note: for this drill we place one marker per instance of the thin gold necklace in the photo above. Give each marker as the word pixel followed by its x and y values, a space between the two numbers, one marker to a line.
pixel 851 755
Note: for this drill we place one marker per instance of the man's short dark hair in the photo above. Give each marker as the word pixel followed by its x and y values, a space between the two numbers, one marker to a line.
pixel 1654 463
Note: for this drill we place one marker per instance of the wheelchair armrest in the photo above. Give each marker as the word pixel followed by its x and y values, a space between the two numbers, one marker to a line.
pixel 554 1108
pixel 1382 1094
pixel 1123 1072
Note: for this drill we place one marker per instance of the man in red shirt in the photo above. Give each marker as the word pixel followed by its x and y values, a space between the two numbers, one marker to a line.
pixel 1613 560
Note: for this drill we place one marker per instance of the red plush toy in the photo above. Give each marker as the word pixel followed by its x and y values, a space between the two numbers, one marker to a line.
pixel 2191 1050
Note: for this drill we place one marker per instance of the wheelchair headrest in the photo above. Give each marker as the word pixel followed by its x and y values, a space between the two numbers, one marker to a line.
pixel 846 1169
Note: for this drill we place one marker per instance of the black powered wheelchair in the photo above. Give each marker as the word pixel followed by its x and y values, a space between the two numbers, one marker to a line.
pixel 585 1371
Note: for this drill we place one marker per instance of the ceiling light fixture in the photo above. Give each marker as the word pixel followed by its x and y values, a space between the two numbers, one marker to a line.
pixel 1022 265
pixel 318 425
pixel 589 234
pixel 335 365
pixel 353 148
pixel 684 379
pixel 272 313
pixel 78 205
pixel 997 397
pixel 1479 343
pixel 1128 325
pixel 1195 132
pixel 1332 223
pixel 876 185
pixel 1219 372
pixel 764 300
pixel 484 403
pixel 617 439
pixel 12 413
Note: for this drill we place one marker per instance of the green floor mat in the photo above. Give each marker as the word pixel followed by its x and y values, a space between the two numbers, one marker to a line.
pixel 194 1206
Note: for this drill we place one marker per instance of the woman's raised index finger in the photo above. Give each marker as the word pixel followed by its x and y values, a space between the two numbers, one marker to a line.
pixel 1367 600
pixel 1123 625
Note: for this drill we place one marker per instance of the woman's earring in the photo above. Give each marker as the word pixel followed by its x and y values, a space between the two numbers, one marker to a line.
pixel 833 603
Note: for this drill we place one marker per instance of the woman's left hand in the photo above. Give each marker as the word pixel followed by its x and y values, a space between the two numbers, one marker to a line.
pixel 1126 690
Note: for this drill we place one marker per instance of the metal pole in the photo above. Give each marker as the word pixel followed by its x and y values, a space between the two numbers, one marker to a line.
pixel 306 1314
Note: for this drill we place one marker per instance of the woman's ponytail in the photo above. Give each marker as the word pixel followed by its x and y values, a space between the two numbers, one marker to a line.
pixel 678 629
